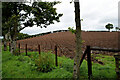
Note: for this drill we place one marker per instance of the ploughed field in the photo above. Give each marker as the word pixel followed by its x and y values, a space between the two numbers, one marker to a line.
pixel 66 42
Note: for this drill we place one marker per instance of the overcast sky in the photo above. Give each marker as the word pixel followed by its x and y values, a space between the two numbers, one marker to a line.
pixel 95 14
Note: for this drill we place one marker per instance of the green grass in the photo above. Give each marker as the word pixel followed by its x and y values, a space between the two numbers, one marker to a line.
pixel 16 67
pixel 107 70
pixel 23 67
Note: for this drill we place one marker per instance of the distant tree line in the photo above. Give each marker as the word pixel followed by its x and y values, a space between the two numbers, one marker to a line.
pixel 25 36
pixel 101 31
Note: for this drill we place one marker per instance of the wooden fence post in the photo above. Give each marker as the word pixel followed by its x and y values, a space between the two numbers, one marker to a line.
pixel 89 61
pixel 19 47
pixel 26 49
pixel 39 49
pixel 56 56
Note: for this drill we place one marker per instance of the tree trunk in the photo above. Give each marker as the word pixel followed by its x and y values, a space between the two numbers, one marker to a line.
pixel 5 42
pixel 5 45
pixel 13 47
pixel 76 69
pixel 13 42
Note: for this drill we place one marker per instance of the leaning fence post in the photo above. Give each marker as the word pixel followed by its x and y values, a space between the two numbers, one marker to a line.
pixel 26 49
pixel 89 61
pixel 83 56
pixel 56 55
pixel 39 49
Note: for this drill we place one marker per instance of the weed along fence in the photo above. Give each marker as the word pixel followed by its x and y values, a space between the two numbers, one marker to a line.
pixel 88 53
pixel 39 51
pixel 117 59
pixel 66 45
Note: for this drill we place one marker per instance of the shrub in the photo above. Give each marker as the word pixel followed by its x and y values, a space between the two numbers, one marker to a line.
pixel 16 52
pixel 24 58
pixel 45 62
pixel 34 56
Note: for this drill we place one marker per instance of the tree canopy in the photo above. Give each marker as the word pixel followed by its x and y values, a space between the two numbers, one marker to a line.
pixel 109 26
pixel 117 28
pixel 41 14
pixel 19 15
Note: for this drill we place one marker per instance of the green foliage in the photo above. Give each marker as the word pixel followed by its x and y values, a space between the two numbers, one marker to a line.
pixel 117 28
pixel 106 71
pixel 43 14
pixel 72 30
pixel 16 52
pixel 24 67
pixel 44 63
pixel 9 10
pixel 81 19
pixel 24 58
pixel 11 23
pixel 83 41
pixel 22 36
pixel 109 26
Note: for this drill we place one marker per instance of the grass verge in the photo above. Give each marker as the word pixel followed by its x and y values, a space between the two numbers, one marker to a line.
pixel 24 67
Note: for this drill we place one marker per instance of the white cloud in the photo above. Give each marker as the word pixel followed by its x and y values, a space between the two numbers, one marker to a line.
pixel 95 15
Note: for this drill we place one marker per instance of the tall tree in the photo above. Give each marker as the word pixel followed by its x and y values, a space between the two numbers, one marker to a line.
pixel 76 69
pixel 109 26
pixel 8 10
pixel 13 31
pixel 5 15
pixel 43 14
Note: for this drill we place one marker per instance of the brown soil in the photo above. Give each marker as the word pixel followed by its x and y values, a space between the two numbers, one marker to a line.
pixel 66 42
